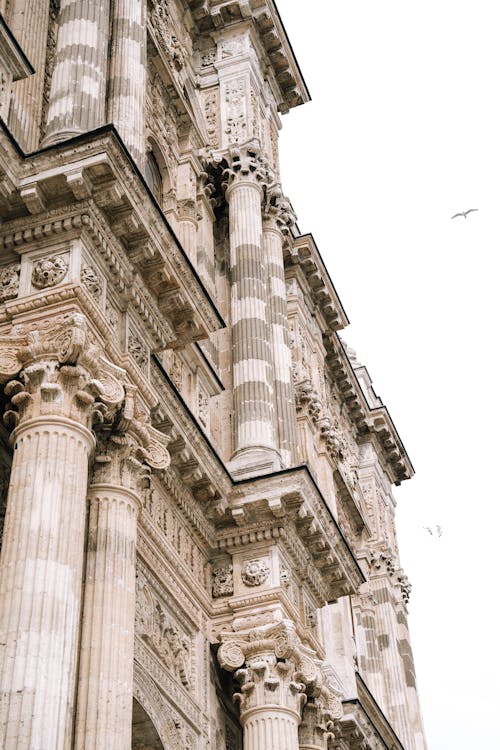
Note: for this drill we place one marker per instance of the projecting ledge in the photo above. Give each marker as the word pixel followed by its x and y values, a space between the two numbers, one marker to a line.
pixel 94 173
pixel 288 506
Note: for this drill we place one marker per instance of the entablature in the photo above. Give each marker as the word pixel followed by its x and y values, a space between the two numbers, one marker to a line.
pixel 288 505
pixel 214 15
pixel 95 172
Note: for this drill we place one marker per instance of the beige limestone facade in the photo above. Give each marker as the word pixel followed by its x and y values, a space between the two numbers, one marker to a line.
pixel 198 548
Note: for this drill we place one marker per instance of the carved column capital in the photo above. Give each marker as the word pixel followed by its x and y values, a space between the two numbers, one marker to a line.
pixel 52 369
pixel 128 448
pixel 268 654
pixel 245 164
pixel 278 211
pixel 318 720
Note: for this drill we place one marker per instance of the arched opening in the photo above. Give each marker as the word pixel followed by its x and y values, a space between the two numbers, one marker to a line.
pixel 153 177
pixel 144 734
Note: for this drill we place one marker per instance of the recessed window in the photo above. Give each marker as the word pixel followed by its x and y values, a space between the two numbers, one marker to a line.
pixel 153 177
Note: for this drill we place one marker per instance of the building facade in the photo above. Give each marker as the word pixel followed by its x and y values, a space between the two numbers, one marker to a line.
pixel 198 547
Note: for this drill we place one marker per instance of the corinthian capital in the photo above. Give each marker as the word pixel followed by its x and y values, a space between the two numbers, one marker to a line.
pixel 52 368
pixel 272 666
pixel 278 210
pixel 128 447
pixel 245 162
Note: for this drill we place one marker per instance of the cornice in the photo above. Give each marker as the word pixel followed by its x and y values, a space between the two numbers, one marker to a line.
pixel 95 169
pixel 215 15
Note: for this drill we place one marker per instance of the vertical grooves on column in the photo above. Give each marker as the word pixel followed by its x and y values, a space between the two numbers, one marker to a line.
pixel 105 682
pixel 252 379
pixel 81 58
pixel 127 74
pixel 280 350
pixel 30 27
pixel 392 667
pixel 41 580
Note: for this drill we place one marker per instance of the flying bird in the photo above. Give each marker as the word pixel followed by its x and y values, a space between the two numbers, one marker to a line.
pixel 439 530
pixel 464 213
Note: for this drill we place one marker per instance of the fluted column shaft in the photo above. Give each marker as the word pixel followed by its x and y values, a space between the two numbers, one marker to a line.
pixel 40 581
pixel 127 74
pixel 404 648
pixel 79 79
pixel 270 728
pixel 280 350
pixel 368 651
pixel 188 228
pixel 252 364
pixel 29 24
pixel 392 667
pixel 104 712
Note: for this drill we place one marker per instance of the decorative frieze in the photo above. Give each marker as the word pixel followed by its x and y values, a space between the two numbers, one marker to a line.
pixel 93 282
pixel 163 635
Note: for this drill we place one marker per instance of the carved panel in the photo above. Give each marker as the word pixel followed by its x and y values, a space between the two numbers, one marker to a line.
pixel 9 281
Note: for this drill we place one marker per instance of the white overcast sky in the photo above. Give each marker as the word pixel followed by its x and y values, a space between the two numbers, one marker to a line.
pixel 402 132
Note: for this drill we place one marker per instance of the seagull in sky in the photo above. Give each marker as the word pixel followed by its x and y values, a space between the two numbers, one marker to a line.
pixel 464 213
pixel 439 530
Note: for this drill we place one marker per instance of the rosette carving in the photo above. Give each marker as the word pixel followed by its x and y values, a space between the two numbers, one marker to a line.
pixel 255 572
pixel 48 272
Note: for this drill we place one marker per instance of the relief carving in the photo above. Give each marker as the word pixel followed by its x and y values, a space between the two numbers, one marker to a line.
pixel 161 633
pixel 48 272
pixel 9 281
pixel 236 116
pixel 255 572
pixel 92 282
pixel 222 581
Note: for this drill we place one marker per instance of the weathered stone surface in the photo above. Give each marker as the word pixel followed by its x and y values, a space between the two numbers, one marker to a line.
pixel 198 546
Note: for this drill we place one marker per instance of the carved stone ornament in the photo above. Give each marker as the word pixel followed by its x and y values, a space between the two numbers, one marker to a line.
pixel 9 281
pixel 222 581
pixel 53 368
pixel 255 572
pixel 48 272
pixel 92 282
pixel 156 627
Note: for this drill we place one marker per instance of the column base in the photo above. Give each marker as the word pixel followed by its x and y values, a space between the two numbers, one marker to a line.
pixel 249 462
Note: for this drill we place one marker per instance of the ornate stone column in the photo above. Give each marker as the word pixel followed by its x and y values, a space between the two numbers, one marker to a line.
pixel 277 220
pixel 29 21
pixel 275 678
pixel 126 453
pixel 127 74
pixel 79 79
pixel 51 402
pixel 382 587
pixel 253 428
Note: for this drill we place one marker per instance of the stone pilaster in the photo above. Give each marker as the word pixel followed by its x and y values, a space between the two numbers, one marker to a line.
pixel 79 79
pixel 126 453
pixel 52 399
pixel 187 227
pixel 406 654
pixel 382 587
pixel 277 221
pixel 276 678
pixel 253 429
pixel 368 652
pixel 29 24
pixel 127 74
